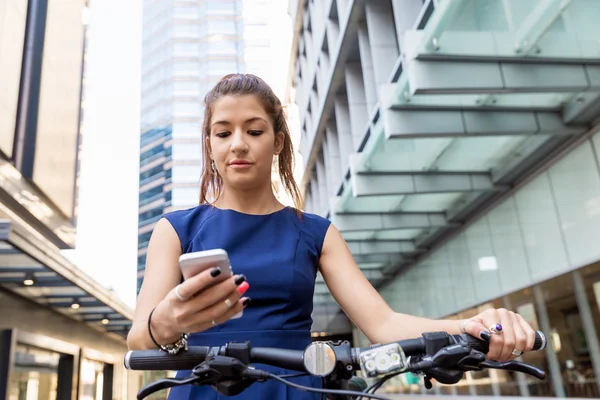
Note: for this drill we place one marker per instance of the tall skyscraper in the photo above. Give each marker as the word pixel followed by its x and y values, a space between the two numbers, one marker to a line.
pixel 187 48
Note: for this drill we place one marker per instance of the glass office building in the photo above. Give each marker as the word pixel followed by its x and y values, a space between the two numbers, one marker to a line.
pixel 455 145
pixel 62 335
pixel 187 48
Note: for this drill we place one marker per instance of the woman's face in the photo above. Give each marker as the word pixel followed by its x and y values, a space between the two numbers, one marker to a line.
pixel 242 142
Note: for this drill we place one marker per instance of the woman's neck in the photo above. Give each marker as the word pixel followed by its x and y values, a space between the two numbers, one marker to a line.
pixel 248 202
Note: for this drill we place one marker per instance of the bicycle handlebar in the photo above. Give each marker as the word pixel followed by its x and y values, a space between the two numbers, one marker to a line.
pixel 284 358
pixel 437 355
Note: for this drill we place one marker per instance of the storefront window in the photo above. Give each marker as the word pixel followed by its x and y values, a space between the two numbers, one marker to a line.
pixel 34 375
pixel 92 380
pixel 523 303
pixel 581 381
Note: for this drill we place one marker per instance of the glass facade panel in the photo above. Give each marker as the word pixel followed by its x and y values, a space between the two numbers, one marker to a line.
pixel 58 121
pixel 185 108
pixel 596 145
pixel 509 251
pixel 186 173
pixel 187 130
pixel 222 26
pixel 483 262
pixel 187 151
pixel 540 226
pixel 222 67
pixel 186 87
pixel 221 7
pixel 215 46
pixel 576 189
pixel 186 196
pixel 462 277
pixel 13 15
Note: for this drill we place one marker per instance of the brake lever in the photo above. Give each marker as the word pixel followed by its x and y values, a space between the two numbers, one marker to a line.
pixel 167 383
pixel 516 366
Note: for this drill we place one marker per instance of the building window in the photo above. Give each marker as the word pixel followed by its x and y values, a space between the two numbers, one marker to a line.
pixel 12 25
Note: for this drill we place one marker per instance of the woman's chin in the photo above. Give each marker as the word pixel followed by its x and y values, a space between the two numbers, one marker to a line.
pixel 244 183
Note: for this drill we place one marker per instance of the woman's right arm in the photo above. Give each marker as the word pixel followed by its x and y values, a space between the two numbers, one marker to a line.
pixel 204 295
pixel 162 274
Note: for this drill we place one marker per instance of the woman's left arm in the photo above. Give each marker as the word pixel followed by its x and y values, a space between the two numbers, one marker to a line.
pixel 380 324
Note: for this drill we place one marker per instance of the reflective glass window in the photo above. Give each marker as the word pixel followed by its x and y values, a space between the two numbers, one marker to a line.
pixel 58 121
pixel 12 33
pixel 187 151
pixel 186 173
pixel 35 374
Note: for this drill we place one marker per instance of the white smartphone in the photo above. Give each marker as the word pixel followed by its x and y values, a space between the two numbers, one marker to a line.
pixel 194 263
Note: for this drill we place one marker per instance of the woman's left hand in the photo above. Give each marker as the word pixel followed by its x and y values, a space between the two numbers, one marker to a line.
pixel 509 334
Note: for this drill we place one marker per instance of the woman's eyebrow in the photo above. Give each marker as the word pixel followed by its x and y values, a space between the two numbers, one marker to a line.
pixel 253 119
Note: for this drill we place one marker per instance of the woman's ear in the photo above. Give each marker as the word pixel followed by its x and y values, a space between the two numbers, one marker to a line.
pixel 279 141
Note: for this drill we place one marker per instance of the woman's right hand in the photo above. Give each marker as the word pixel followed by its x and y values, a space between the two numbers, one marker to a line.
pixel 204 300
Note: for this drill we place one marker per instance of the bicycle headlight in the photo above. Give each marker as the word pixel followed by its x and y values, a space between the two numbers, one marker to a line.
pixel 383 360
pixel 319 359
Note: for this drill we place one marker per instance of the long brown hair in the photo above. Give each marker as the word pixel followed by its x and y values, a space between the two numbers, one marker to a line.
pixel 211 183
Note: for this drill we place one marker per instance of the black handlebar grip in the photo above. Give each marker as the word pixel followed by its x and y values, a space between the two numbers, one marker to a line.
pixel 157 360
pixel 540 341
pixel 483 346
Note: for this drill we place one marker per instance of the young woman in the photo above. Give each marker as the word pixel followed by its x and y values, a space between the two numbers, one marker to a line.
pixel 275 252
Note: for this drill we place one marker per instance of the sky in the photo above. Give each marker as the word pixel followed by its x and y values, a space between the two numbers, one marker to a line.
pixel 106 246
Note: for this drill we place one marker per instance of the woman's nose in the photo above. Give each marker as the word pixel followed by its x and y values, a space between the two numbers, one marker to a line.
pixel 239 143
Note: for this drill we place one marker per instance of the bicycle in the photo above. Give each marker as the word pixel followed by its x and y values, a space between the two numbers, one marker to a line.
pixel 436 356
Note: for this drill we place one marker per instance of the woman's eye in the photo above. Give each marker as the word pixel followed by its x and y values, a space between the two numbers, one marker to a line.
pixel 222 134
pixel 255 132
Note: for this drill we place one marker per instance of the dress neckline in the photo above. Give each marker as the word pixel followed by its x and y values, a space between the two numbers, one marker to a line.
pixel 231 210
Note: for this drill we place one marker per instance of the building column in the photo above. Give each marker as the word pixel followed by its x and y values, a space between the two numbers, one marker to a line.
pixel 26 127
pixel 316 195
pixel 587 319
pixel 308 199
pixel 357 102
pixel 405 15
pixel 7 349
pixel 342 6
pixel 368 74
pixel 322 184
pixel 332 156
pixel 553 364
pixel 342 120
pixel 327 167
pixel 382 38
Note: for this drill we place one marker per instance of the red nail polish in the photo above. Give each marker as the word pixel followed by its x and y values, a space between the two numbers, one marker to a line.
pixel 243 287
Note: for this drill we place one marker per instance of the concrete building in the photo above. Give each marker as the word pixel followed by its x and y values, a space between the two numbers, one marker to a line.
pixel 455 145
pixel 61 334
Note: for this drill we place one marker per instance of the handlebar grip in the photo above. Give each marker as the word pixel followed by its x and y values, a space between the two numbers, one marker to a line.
pixel 540 341
pixel 157 360
pixel 483 346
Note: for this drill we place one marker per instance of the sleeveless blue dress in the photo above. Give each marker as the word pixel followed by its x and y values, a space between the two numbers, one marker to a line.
pixel 279 255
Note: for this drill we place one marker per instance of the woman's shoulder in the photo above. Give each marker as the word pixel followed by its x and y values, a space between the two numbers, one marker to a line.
pixel 311 224
pixel 186 222
pixel 196 213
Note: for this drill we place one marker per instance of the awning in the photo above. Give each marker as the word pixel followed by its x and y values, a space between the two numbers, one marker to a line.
pixel 480 98
pixel 31 268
